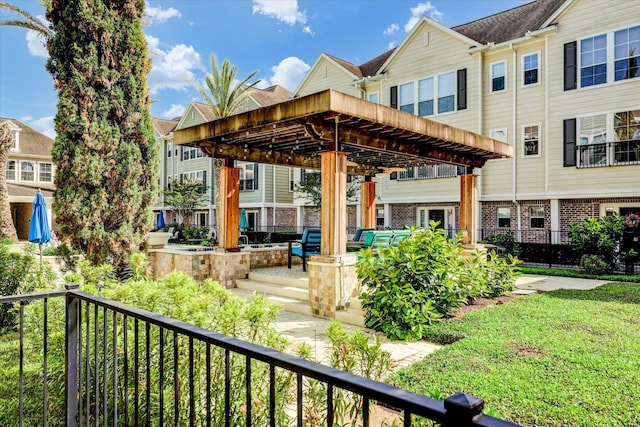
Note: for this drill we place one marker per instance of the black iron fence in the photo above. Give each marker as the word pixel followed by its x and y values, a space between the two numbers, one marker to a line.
pixel 126 366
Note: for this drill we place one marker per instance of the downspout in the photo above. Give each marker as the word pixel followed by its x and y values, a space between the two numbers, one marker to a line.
pixel 514 118
pixel 273 213
pixel 480 130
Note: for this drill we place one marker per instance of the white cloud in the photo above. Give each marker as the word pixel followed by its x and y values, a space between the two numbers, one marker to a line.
pixel 391 45
pixel 420 10
pixel 284 11
pixel 170 69
pixel 175 111
pixel 45 125
pixel 289 72
pixel 36 43
pixel 391 29
pixel 158 15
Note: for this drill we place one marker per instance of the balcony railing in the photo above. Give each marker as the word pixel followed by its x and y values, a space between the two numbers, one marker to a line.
pixel 616 153
pixel 126 366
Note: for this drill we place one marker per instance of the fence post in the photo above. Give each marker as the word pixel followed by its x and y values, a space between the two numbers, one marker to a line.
pixel 71 356
pixel 461 409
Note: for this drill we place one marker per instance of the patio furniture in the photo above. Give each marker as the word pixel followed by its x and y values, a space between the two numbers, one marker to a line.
pixel 309 244
pixel 358 239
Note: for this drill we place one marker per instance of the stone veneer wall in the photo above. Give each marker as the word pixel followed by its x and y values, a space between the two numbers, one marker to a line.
pixel 224 267
pixel 332 282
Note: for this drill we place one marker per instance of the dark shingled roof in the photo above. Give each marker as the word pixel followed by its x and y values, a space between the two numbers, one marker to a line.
pixel 31 141
pixel 510 24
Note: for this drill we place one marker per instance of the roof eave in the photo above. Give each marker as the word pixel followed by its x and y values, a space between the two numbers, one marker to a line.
pixel 530 35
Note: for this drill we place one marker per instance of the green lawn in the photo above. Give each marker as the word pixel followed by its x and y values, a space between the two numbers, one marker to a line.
pixel 563 358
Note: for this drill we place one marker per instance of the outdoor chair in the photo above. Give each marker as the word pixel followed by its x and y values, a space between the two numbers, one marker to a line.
pixel 309 245
pixel 358 239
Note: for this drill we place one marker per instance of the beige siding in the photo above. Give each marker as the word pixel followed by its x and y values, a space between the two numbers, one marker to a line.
pixel 336 78
pixel 585 19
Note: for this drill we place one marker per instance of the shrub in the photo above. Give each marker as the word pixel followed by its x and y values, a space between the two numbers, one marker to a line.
pixel 600 237
pixel 595 264
pixel 424 278
pixel 506 243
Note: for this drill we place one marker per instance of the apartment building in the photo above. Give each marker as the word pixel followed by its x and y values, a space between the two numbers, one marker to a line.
pixel 558 79
pixel 266 191
pixel 29 168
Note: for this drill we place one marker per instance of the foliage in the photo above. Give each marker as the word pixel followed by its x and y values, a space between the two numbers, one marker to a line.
pixel 598 236
pixel 28 21
pixel 7 228
pixel 20 273
pixel 185 197
pixel 534 358
pixel 310 189
pixel 226 95
pixel 353 353
pixel 595 264
pixel 105 152
pixel 408 286
pixel 506 243
pixel 69 255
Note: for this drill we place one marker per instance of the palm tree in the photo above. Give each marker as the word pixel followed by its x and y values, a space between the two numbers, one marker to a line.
pixel 225 96
pixel 29 22
pixel 7 229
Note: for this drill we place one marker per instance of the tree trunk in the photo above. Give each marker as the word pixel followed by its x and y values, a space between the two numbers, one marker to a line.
pixel 7 229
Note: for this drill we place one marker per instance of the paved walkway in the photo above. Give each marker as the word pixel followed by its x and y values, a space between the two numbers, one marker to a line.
pixel 312 330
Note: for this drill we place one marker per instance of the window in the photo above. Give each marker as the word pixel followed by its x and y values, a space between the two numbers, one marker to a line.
pixel 499 134
pixel 45 172
pixel 11 170
pixel 27 171
pixel 374 97
pixel 406 97
pixel 169 182
pixel 446 92
pixel 626 129
pixel 531 140
pixel 626 46
pixel 169 149
pixel 593 61
pixel 16 138
pixel 536 216
pixel 190 153
pixel 592 136
pixel 498 76
pixel 504 218
pixel 248 176
pixel 530 68
pixel 425 97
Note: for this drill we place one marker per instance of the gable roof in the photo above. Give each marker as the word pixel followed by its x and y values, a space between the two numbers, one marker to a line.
pixel 269 96
pixel 510 24
pixel 164 127
pixel 500 27
pixel 31 141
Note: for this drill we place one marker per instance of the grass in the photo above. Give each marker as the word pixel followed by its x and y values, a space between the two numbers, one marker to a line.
pixel 568 272
pixel 562 358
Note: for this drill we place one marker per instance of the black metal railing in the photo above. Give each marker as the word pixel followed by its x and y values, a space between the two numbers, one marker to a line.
pixel 616 153
pixel 126 366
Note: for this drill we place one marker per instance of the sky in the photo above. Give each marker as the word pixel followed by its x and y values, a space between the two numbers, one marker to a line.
pixel 280 39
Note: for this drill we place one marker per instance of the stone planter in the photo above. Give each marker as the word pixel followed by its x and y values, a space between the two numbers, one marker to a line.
pixel 158 239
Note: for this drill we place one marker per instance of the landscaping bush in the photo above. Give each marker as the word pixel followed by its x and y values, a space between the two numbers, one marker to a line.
pixel 506 243
pixel 407 287
pixel 546 253
pixel 595 264
pixel 601 237
pixel 257 237
pixel 284 236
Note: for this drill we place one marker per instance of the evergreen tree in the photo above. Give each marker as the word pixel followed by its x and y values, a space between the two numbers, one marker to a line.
pixel 105 152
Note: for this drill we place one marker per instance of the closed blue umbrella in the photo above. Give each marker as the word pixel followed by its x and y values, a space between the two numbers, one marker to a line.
pixel 39 231
pixel 161 219
pixel 244 221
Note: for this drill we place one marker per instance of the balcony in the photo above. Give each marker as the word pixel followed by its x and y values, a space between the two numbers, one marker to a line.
pixel 618 153
pixel 127 366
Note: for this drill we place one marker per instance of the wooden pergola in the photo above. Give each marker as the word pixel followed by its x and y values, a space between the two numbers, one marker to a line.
pixel 340 135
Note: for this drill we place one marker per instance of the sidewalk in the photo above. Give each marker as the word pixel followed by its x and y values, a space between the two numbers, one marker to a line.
pixel 299 328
